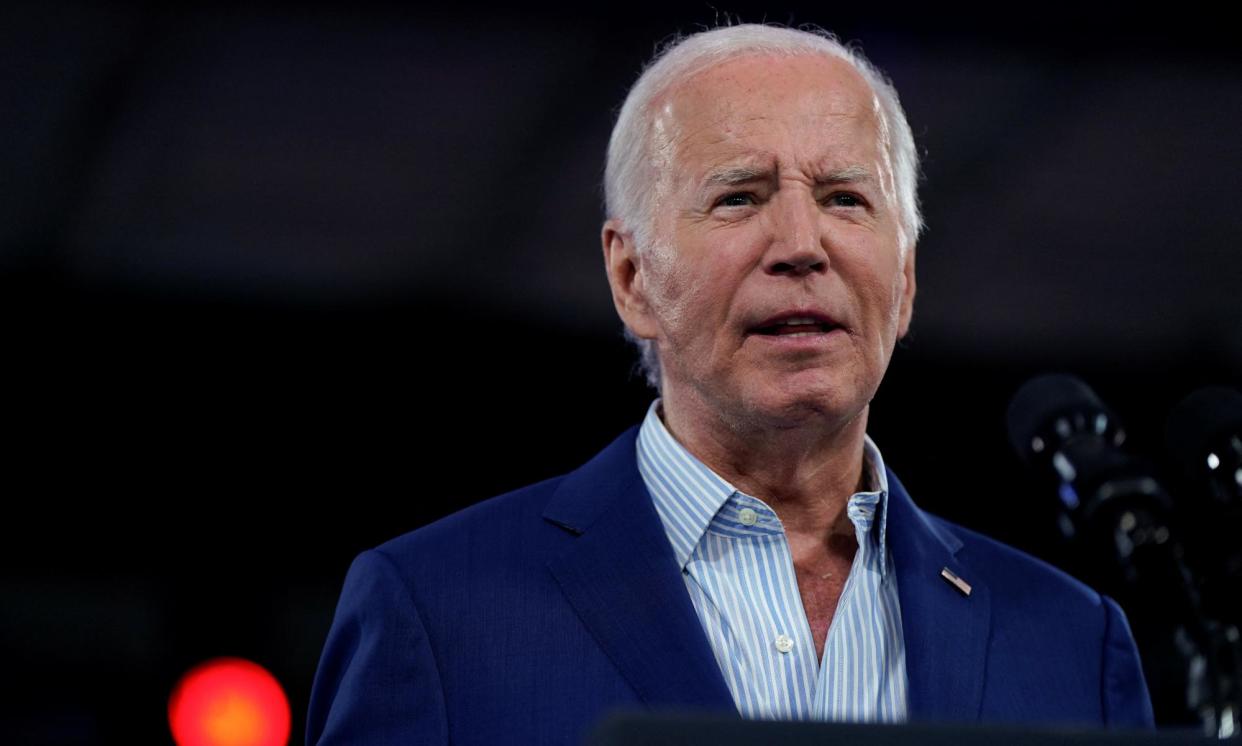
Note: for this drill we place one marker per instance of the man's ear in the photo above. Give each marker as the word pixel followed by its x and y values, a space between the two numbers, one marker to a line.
pixel 907 294
pixel 628 279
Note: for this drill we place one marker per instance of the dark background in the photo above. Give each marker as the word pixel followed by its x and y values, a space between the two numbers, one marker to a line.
pixel 280 282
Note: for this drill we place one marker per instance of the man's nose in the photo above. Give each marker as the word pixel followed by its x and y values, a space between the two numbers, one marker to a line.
pixel 796 246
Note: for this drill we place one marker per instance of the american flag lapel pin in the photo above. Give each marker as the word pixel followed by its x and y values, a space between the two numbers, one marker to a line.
pixel 955 581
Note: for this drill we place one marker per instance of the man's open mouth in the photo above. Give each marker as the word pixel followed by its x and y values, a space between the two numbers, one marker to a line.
pixel 796 326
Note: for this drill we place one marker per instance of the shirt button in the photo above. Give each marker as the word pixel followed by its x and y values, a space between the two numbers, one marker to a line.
pixel 783 643
pixel 748 517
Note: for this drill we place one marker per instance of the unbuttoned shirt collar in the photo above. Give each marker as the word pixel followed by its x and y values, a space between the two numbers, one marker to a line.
pixel 691 498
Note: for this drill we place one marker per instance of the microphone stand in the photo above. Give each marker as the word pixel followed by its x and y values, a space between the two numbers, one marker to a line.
pixel 1115 511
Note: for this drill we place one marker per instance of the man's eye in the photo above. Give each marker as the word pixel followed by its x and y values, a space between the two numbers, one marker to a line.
pixel 845 199
pixel 737 199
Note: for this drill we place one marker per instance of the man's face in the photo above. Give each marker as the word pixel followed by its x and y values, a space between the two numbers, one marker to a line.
pixel 776 287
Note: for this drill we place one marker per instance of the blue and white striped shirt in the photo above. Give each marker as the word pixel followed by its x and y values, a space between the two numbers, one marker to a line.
pixel 739 572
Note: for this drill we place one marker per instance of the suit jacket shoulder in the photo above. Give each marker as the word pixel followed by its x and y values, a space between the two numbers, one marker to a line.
pixel 522 619
pixel 498 531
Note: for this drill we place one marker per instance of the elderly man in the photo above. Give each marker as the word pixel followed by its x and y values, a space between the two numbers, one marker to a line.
pixel 745 550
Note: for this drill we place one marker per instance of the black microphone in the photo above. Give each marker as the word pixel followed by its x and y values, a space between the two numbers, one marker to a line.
pixel 1062 430
pixel 1204 435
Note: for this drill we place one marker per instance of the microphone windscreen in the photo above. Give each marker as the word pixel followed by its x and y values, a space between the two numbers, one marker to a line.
pixel 1042 399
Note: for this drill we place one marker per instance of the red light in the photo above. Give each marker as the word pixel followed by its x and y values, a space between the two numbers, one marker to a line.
pixel 229 702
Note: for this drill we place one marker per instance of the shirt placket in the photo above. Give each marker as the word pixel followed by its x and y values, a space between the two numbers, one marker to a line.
pixel 775 637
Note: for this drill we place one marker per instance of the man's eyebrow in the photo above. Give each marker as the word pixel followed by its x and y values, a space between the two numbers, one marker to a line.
pixel 847 175
pixel 733 175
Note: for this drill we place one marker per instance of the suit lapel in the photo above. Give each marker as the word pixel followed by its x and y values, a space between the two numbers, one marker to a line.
pixel 946 631
pixel 622 579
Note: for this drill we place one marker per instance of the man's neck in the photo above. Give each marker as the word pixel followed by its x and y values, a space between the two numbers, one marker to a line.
pixel 806 472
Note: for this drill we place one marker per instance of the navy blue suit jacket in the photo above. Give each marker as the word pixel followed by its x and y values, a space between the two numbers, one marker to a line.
pixel 525 618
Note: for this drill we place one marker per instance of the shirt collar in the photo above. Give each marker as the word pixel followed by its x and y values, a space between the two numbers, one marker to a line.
pixel 688 494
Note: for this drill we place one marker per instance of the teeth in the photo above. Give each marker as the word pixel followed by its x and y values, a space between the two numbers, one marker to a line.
pixel 799 321
pixel 801 334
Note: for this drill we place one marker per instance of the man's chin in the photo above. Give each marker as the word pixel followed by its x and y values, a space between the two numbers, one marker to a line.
pixel 829 408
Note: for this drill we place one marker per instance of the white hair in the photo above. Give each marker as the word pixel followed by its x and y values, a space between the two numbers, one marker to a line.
pixel 630 175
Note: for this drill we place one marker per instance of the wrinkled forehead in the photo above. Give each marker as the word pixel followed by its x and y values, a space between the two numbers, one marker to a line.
pixel 720 110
